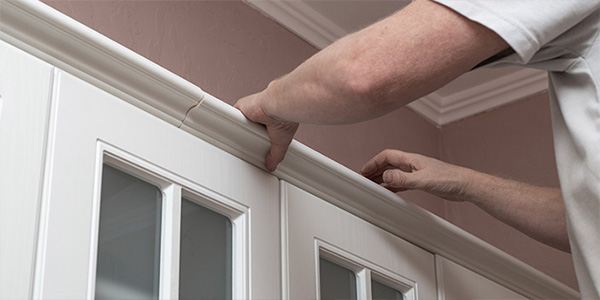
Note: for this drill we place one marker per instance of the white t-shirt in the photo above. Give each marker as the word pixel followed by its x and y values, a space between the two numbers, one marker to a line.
pixel 562 37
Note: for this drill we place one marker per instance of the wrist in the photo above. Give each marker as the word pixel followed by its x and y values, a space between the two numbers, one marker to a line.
pixel 470 183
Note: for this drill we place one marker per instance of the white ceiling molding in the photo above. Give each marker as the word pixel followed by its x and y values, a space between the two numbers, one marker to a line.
pixel 441 107
pixel 445 109
pixel 302 20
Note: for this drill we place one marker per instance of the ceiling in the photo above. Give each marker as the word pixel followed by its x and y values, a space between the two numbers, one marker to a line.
pixel 322 22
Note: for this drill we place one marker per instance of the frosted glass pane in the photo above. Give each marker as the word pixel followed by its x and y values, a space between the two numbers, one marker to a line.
pixel 129 238
pixel 337 282
pixel 205 255
pixel 380 291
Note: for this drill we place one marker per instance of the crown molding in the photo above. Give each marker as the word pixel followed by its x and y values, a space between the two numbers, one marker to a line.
pixel 445 109
pixel 301 19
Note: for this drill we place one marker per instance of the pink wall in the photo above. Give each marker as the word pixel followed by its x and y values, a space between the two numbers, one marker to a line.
pixel 514 141
pixel 230 50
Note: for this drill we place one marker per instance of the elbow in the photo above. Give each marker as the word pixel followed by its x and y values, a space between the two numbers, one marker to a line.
pixel 361 83
pixel 369 91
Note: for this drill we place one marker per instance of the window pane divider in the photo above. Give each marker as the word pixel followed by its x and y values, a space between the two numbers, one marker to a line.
pixel 171 227
pixel 364 284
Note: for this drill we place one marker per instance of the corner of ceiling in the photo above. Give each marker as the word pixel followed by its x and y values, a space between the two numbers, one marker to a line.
pixel 302 20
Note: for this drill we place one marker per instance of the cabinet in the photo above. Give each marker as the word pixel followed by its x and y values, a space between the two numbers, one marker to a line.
pixel 90 129
pixel 318 231
pixel 457 282
pixel 114 159
pixel 25 86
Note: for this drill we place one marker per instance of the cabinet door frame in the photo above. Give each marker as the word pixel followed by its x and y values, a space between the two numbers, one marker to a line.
pixel 90 127
pixel 316 228
pixel 174 188
pixel 475 286
pixel 365 271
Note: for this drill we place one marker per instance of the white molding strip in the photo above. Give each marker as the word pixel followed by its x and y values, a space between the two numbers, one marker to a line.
pixel 468 102
pixel 302 20
pixel 73 47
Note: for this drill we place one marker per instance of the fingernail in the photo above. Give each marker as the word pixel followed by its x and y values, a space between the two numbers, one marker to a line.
pixel 388 176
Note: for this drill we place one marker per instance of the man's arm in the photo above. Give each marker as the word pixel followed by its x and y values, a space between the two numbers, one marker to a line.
pixel 372 72
pixel 538 212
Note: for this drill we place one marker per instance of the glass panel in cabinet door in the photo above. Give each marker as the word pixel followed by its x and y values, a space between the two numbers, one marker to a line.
pixel 380 291
pixel 336 281
pixel 205 270
pixel 129 237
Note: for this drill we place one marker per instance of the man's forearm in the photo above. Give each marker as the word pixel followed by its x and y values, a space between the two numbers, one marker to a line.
pixel 371 72
pixel 536 211
pixel 382 67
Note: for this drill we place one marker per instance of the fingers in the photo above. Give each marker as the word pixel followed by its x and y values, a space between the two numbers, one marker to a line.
pixel 281 136
pixel 280 132
pixel 393 169
pixel 398 180
pixel 275 156
pixel 388 159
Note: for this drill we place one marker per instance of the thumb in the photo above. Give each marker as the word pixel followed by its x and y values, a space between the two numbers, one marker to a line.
pixel 397 179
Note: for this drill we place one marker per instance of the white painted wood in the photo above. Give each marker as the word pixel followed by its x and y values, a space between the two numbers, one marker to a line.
pixel 86 127
pixel 302 20
pixel 457 283
pixel 170 243
pixel 317 228
pixel 442 109
pixel 25 87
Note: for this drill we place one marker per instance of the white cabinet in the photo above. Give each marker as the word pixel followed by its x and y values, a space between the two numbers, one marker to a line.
pixel 91 129
pixel 318 230
pixel 457 282
pixel 25 87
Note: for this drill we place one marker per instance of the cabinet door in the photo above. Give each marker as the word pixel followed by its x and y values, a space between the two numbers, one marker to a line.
pixel 330 253
pixel 25 86
pixel 136 208
pixel 457 282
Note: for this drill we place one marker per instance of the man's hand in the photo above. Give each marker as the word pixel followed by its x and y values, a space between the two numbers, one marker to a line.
pixel 536 211
pixel 280 132
pixel 400 171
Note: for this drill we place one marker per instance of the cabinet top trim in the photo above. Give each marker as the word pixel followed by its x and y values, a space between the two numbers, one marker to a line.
pixel 48 34
pixel 44 32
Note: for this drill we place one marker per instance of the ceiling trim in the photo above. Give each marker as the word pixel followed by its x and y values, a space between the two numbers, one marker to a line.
pixel 301 19
pixel 442 110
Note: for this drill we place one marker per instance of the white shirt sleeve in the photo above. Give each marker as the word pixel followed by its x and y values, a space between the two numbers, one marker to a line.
pixel 526 25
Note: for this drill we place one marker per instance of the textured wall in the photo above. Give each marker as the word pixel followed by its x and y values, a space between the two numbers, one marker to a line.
pixel 230 50
pixel 225 47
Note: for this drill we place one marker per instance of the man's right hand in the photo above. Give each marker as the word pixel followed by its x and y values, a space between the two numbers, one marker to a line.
pixel 280 132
